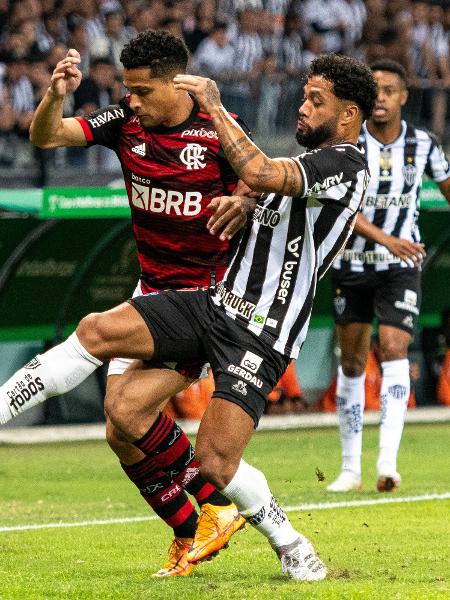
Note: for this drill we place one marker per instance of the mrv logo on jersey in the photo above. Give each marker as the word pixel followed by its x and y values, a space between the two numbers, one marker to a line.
pixel 328 182
pixel 157 200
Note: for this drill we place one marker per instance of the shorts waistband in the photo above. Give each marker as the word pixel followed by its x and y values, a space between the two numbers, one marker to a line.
pixel 370 257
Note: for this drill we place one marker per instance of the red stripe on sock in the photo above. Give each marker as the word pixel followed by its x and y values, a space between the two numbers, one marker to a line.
pixel 204 492
pixel 173 453
pixel 155 432
pixel 153 439
pixel 146 466
pixel 180 516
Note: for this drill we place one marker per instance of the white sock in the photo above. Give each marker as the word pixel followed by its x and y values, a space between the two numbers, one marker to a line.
pixel 249 491
pixel 395 387
pixel 55 372
pixel 350 397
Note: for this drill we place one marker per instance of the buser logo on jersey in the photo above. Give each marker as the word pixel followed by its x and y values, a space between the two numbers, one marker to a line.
pixel 170 202
pixel 288 269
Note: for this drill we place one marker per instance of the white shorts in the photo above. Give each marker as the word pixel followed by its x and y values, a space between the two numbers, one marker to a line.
pixel 118 366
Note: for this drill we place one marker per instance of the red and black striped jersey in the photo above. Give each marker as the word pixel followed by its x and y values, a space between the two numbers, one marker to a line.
pixel 171 174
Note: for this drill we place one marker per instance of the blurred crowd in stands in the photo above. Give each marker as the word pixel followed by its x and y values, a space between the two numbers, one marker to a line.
pixel 257 50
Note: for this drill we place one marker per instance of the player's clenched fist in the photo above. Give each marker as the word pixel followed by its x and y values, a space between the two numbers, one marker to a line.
pixel 66 77
pixel 203 88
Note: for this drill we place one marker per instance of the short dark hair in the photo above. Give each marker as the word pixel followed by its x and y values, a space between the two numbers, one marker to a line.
pixel 161 51
pixel 391 66
pixel 352 80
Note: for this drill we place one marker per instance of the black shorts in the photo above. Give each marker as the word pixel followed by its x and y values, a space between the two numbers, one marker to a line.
pixel 188 326
pixel 392 296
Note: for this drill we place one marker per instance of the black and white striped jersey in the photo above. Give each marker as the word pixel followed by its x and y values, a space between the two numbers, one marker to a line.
pixel 270 284
pixel 392 197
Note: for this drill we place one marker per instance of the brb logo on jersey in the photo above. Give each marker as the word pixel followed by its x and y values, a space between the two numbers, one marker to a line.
pixel 193 156
pixel 157 200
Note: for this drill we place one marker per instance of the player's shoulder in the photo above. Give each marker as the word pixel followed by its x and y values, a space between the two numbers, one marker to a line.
pixel 415 134
pixel 201 126
pixel 337 155
pixel 113 114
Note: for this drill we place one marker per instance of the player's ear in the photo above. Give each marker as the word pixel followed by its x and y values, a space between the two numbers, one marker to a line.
pixel 403 97
pixel 350 113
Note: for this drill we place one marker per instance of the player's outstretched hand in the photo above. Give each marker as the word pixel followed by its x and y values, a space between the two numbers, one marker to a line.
pixel 66 76
pixel 203 88
pixel 229 214
pixel 412 253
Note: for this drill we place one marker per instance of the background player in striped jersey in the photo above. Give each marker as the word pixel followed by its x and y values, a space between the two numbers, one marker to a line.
pixel 173 166
pixel 378 275
pixel 253 323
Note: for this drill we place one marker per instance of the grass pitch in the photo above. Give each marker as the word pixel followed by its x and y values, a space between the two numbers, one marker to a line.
pixel 380 551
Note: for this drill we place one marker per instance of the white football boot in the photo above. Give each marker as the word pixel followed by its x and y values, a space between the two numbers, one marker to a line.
pixel 346 482
pixel 300 561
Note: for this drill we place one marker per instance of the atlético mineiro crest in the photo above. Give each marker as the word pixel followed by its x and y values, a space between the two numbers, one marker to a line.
pixel 409 174
pixel 398 391
pixel 193 156
pixel 33 364
pixel 339 304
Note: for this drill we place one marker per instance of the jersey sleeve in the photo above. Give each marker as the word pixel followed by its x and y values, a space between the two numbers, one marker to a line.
pixel 229 177
pixel 104 125
pixel 437 166
pixel 329 173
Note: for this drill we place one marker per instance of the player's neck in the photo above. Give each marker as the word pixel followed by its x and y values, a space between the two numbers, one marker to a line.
pixel 180 113
pixel 385 133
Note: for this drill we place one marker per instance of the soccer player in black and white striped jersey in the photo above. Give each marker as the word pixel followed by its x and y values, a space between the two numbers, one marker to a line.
pixel 250 325
pixel 378 275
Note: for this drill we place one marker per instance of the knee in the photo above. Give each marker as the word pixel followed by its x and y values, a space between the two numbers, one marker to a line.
pixel 118 417
pixel 215 467
pixel 353 366
pixel 93 331
pixel 121 446
pixel 114 437
pixel 392 350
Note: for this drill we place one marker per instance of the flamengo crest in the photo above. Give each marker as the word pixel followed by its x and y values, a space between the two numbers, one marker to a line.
pixel 193 156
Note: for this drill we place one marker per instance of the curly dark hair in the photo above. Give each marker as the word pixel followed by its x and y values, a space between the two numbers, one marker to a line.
pixel 352 80
pixel 161 51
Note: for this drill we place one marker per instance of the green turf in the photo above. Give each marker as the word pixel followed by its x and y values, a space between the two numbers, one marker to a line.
pixel 389 551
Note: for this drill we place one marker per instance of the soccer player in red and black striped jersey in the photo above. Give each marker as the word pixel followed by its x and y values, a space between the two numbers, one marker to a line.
pixel 173 165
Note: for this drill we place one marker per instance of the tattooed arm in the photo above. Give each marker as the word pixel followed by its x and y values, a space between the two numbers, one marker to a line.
pixel 258 171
